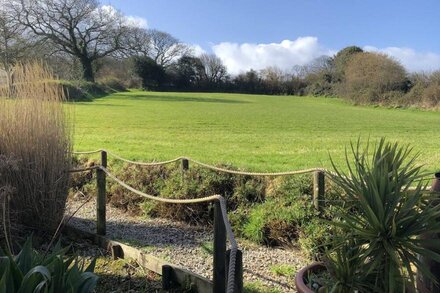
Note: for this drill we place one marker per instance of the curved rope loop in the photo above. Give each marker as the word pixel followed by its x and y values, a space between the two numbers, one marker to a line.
pixel 222 201
pixel 211 167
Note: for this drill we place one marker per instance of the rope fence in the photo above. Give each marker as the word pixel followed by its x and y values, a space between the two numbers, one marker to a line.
pixel 208 166
pixel 232 282
pixel 319 174
pixel 222 226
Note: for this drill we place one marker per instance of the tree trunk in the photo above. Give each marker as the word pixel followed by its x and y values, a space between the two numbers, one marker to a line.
pixel 88 73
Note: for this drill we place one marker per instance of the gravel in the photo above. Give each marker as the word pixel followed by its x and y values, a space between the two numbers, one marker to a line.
pixel 188 246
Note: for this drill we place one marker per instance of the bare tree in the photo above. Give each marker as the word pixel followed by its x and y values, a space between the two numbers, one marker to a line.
pixel 165 48
pixel 136 42
pixel 13 44
pixel 80 28
pixel 214 69
pixel 274 79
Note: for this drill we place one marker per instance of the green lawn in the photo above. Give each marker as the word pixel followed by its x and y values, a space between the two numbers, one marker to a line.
pixel 262 133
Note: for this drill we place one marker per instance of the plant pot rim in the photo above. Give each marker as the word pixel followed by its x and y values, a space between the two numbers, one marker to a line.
pixel 301 286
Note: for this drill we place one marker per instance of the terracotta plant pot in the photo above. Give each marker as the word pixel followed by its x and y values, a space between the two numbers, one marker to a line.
pixel 300 277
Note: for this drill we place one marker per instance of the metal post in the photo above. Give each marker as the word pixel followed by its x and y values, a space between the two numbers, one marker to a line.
pixel 101 200
pixel 219 277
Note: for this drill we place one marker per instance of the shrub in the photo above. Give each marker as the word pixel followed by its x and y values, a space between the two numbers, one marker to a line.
pixel 385 222
pixel 277 221
pixel 368 76
pixel 79 90
pixel 35 130
pixel 341 59
pixel 112 84
pixel 418 82
pixel 79 179
pixel 152 74
pixel 315 237
pixel 31 271
pixel 247 190
pixel 430 96
pixel 195 183
pixel 149 180
pixel 319 84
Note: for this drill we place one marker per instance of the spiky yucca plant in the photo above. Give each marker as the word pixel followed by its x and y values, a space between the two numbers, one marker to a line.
pixel 385 218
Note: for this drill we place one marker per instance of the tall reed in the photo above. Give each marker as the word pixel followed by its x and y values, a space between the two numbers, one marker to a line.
pixel 35 130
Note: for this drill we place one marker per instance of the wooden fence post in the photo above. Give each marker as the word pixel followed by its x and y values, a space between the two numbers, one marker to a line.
pixel 167 279
pixel 185 165
pixel 101 200
pixel 238 270
pixel 219 276
pixel 318 189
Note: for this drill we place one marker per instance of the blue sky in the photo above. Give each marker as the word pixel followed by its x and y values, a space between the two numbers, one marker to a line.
pixel 387 26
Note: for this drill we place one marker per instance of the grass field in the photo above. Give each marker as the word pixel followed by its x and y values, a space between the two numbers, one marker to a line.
pixel 256 132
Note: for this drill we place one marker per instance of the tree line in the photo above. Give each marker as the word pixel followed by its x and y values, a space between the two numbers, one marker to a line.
pixel 82 39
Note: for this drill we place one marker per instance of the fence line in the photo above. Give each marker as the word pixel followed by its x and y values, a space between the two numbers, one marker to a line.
pixel 221 230
pixel 230 283
pixel 208 166
pixel 222 202
pixel 327 172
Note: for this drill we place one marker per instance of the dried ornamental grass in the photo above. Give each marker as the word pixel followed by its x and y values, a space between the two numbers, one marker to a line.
pixel 35 130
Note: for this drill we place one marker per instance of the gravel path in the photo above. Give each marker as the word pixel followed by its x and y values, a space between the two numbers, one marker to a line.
pixel 188 246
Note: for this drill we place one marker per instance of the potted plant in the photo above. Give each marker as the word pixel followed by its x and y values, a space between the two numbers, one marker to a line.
pixel 380 245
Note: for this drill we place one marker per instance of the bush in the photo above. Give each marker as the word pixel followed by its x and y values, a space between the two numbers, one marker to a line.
pixel 341 59
pixel 368 76
pixel 315 237
pixel 153 75
pixel 150 180
pixel 82 183
pixel 431 95
pixel 35 131
pixel 195 183
pixel 247 191
pixel 79 90
pixel 112 84
pixel 319 84
pixel 277 221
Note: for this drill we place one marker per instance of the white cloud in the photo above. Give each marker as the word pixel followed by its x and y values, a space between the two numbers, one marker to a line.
pixel 136 21
pixel 411 59
pixel 197 50
pixel 130 20
pixel 285 55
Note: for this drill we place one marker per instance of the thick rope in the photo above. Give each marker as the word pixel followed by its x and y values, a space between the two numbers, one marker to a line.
pixel 211 167
pixel 214 168
pixel 222 201
pixel 143 163
pixel 87 153
pixel 161 199
pixel 77 170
